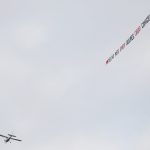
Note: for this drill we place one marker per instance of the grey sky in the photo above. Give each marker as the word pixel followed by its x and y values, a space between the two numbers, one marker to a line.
pixel 56 91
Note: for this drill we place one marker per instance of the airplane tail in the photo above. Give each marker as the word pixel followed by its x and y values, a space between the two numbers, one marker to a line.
pixel 11 135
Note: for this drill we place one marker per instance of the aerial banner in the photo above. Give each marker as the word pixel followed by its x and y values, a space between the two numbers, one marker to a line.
pixel 129 40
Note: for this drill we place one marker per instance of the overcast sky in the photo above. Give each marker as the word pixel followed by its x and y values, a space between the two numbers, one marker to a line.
pixel 56 92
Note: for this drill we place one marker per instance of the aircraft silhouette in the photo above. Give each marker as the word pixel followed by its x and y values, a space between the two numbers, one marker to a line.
pixel 9 137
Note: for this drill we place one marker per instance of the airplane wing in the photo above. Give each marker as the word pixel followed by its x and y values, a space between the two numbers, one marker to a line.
pixel 15 139
pixel 3 136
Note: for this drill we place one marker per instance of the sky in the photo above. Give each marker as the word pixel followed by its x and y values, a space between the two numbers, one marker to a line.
pixel 56 92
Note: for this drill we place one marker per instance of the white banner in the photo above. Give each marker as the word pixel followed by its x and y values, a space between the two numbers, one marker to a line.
pixel 129 40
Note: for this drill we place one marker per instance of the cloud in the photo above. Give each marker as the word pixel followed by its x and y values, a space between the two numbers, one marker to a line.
pixel 29 36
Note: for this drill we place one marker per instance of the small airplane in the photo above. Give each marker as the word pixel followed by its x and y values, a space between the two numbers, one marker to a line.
pixel 9 137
